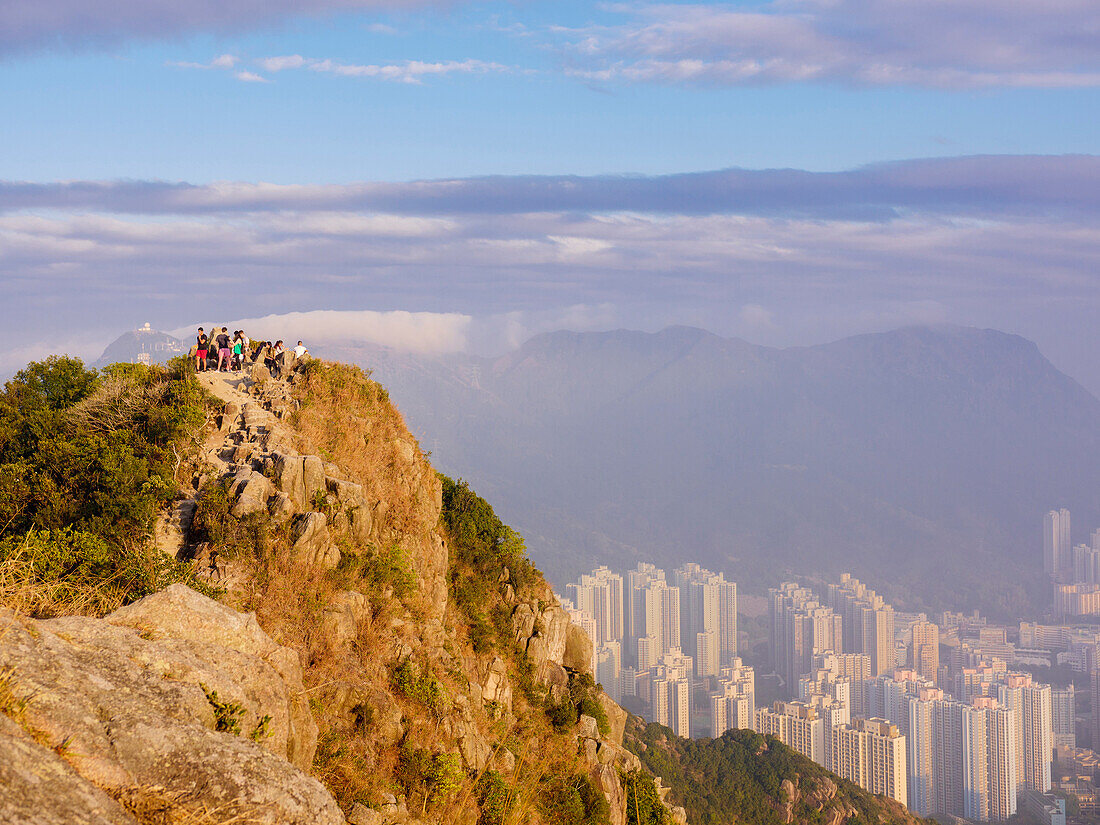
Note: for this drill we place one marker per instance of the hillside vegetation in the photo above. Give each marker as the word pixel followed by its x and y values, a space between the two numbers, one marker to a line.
pixel 745 777
pixel 432 675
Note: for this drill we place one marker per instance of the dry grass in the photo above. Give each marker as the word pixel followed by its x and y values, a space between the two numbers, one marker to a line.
pixel 22 590
pixel 346 416
pixel 154 805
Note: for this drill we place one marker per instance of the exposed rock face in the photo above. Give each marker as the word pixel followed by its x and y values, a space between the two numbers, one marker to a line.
pixel 129 703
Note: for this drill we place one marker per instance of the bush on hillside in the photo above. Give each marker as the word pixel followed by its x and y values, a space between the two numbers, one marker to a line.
pixel 87 459
pixel 573 800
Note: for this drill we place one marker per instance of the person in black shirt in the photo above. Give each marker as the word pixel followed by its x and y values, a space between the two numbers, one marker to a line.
pixel 224 351
pixel 201 344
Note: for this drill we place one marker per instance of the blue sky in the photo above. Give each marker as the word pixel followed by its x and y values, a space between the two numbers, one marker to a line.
pixel 232 98
pixel 124 110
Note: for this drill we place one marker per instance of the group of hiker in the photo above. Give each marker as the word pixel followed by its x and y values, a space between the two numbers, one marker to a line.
pixel 224 352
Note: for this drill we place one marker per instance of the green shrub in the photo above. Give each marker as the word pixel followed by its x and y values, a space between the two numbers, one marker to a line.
pixel 227 715
pixel 436 777
pixel 62 571
pixel 247 537
pixel 494 800
pixel 573 800
pixel 421 687
pixel 643 805
pixel 87 460
pixel 389 567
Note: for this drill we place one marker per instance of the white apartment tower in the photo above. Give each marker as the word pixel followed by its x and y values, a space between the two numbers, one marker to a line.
pixel 871 753
pixel 988 761
pixel 1056 542
pixel 797 725
pixel 733 704
pixel 1063 715
pixel 868 622
pixel 708 604
pixel 800 628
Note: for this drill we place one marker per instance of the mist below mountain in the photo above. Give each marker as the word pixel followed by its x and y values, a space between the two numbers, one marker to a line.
pixel 922 460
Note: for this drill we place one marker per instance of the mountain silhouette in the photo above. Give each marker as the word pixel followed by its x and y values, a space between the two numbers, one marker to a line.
pixel 921 459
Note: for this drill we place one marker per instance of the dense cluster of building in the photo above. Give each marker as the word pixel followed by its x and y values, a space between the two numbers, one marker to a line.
pixel 941 716
pixel 1074 570
pixel 656 640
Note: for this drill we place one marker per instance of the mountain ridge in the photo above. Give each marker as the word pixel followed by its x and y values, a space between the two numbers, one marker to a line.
pixel 891 453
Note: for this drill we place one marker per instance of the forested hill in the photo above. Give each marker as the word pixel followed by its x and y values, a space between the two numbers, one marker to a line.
pixel 743 777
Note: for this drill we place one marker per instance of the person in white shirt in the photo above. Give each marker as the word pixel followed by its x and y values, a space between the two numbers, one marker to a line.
pixel 300 350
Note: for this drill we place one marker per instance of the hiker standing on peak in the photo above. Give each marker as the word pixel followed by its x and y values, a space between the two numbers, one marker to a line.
pixel 224 352
pixel 238 349
pixel 300 350
pixel 201 344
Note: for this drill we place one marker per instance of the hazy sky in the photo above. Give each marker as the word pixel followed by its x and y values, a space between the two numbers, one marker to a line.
pixel 788 171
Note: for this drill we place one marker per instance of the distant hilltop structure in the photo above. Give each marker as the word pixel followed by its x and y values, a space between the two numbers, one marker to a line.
pixel 143 345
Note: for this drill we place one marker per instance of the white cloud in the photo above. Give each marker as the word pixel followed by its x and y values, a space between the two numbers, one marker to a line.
pixel 410 71
pixel 939 44
pixel 222 61
pixel 757 318
pixel 414 331
pixel 250 77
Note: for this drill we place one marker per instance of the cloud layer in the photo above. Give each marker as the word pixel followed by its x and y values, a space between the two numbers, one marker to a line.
pixel 777 256
pixel 929 43
pixel 26 25
pixel 976 186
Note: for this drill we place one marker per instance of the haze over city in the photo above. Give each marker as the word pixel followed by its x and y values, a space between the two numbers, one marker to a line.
pixel 521 412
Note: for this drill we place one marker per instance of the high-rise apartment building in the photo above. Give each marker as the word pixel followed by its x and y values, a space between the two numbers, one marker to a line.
pixel 609 666
pixel 868 622
pixel 670 692
pixel 924 649
pixel 1056 543
pixel 871 753
pixel 708 604
pixel 1063 711
pixel 1032 717
pixel 733 704
pixel 600 595
pixel 800 627
pixel 988 761
pixel 797 725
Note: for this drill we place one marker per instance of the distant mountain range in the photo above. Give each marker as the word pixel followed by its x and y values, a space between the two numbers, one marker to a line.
pixel 922 459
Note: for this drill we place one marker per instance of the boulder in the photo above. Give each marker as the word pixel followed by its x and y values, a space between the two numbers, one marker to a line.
pixel 281 507
pixel 343 614
pixel 128 708
pixel 288 476
pixel 362 815
pixel 260 373
pixel 31 774
pixel 253 490
pixel 588 727
pixel 577 655
pixel 313 478
pixel 312 541
pixel 496 687
pixel 523 623
pixel 360 523
pixel 178 612
pixel 616 718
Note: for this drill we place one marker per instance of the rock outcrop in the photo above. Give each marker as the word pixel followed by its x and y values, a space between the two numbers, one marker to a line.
pixel 175 697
